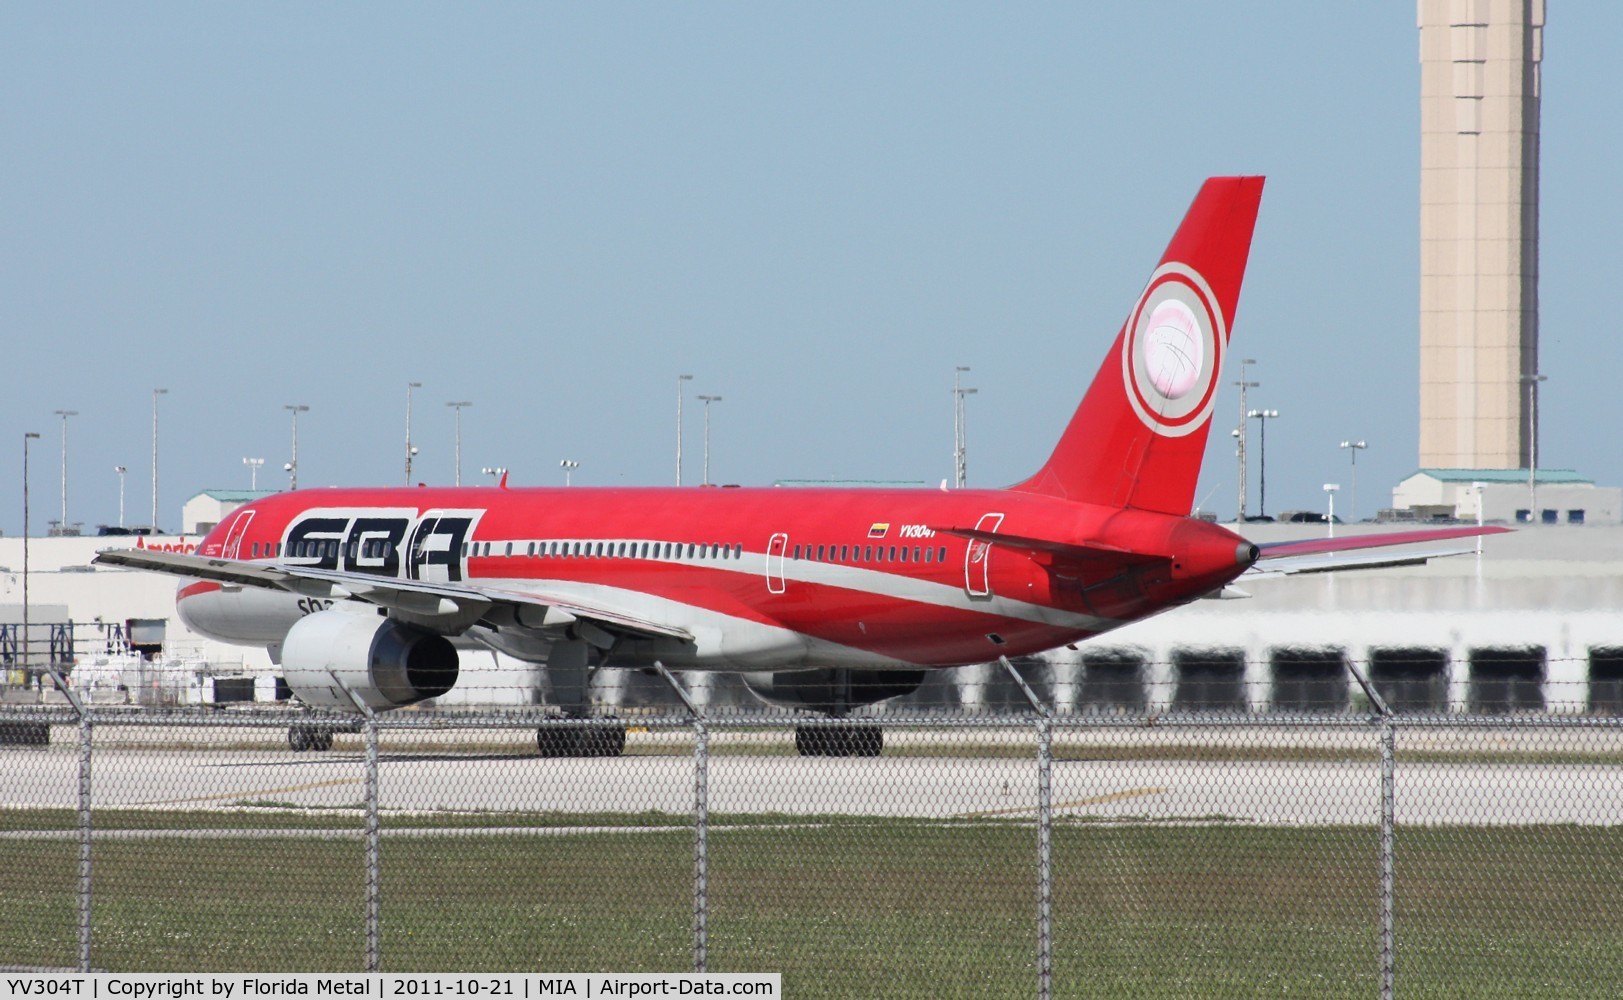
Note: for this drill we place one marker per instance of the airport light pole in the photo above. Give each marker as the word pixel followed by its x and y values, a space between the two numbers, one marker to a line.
pixel 679 380
pixel 120 470
pixel 155 394
pixel 1478 485
pixel 293 466
pixel 457 406
pixel 253 465
pixel 568 465
pixel 707 401
pixel 1532 382
pixel 1330 520
pixel 411 452
pixel 1262 417
pixel 960 430
pixel 1353 448
pixel 1239 433
pixel 23 648
pixel 65 414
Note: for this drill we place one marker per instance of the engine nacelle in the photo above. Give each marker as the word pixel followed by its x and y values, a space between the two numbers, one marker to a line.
pixel 384 662
pixel 832 690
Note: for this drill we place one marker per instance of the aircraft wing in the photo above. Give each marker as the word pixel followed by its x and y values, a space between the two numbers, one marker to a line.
pixel 422 601
pixel 1329 555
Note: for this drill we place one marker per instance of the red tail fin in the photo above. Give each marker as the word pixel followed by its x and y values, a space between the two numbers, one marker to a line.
pixel 1138 436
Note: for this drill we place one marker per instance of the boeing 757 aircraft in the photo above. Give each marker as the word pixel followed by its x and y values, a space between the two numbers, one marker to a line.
pixel 823 599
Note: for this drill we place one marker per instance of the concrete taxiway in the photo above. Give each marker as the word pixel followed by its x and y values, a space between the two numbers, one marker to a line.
pixel 1268 791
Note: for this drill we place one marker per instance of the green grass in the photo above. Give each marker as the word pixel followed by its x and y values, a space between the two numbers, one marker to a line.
pixel 845 907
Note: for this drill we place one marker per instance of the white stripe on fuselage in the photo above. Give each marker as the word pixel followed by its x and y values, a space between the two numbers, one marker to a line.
pixel 879 583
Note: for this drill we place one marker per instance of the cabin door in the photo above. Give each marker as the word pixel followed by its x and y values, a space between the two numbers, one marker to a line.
pixel 978 558
pixel 775 552
pixel 233 537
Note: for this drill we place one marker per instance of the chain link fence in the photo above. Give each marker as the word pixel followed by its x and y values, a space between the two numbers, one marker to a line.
pixel 1138 849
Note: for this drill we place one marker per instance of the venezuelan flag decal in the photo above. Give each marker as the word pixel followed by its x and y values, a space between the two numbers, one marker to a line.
pixel 879 530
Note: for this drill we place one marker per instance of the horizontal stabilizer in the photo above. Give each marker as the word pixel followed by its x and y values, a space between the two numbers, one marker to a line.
pixel 1097 553
pixel 1306 546
pixel 1331 555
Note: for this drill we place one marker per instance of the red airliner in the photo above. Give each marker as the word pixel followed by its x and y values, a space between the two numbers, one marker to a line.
pixel 824 599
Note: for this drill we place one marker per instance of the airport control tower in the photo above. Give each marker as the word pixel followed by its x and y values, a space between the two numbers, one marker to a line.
pixel 1479 149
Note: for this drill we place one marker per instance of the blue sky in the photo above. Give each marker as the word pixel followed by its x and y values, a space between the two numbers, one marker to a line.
pixel 818 210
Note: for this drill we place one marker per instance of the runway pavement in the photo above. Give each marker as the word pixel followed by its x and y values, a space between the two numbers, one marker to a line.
pixel 1313 792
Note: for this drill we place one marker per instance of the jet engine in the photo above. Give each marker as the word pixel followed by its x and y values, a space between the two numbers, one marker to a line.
pixel 832 690
pixel 385 663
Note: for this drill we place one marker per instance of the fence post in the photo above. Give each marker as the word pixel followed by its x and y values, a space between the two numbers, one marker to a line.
pixel 1045 831
pixel 85 825
pixel 1388 852
pixel 701 823
pixel 1388 744
pixel 373 834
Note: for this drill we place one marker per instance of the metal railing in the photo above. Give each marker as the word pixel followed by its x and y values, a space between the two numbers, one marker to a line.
pixel 1040 854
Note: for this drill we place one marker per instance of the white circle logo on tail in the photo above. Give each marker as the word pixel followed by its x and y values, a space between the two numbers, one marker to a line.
pixel 1173 349
pixel 1173 352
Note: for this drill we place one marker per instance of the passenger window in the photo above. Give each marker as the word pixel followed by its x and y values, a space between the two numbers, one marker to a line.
pixel 690 550
pixel 915 553
pixel 509 548
pixel 893 553
pixel 867 553
pixel 797 552
pixel 942 553
pixel 904 553
pixel 843 552
pixel 738 551
pixel 879 553
pixel 929 554
pixel 820 555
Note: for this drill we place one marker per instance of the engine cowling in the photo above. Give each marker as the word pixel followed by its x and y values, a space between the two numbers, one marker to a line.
pixel 385 663
pixel 832 690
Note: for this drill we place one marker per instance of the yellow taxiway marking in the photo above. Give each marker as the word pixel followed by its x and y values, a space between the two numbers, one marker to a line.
pixel 252 793
pixel 1097 800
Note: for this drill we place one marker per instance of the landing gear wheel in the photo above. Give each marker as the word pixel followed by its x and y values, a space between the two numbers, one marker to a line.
pixel 28 734
pixel 306 736
pixel 607 740
pixel 600 740
pixel 557 741
pixel 839 741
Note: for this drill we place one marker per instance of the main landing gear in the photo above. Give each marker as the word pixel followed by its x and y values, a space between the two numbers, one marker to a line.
pixel 813 740
pixel 569 670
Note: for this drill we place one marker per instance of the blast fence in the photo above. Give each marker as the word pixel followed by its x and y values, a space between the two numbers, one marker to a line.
pixel 1354 854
